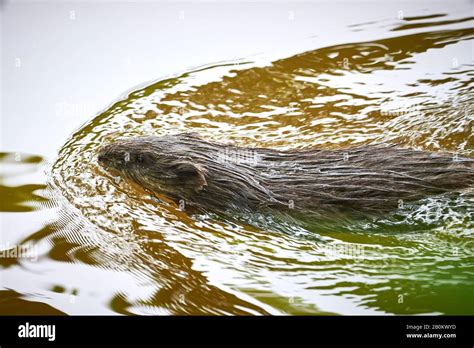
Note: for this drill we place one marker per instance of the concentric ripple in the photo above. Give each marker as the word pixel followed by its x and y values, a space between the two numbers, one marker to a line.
pixel 415 89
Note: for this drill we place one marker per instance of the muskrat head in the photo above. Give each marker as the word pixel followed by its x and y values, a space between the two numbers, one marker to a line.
pixel 156 164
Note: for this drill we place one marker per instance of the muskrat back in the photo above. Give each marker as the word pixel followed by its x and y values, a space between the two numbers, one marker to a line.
pixel 364 180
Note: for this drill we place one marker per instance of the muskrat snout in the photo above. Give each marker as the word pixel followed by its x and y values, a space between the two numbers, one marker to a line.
pixel 102 157
pixel 105 157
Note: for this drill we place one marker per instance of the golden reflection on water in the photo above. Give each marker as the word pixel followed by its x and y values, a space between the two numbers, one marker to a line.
pixel 355 93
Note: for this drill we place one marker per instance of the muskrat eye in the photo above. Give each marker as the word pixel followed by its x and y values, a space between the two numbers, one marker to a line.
pixel 143 158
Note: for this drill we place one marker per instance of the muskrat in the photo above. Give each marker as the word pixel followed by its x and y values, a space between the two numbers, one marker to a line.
pixel 361 181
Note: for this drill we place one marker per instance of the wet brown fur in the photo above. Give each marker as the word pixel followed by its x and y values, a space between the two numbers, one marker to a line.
pixel 364 180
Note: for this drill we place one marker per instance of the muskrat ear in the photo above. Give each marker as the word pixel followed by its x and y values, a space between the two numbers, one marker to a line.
pixel 191 173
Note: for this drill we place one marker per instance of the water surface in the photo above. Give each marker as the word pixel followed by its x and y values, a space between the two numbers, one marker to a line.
pixel 106 246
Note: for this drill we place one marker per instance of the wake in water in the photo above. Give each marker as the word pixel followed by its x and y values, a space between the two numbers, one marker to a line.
pixel 338 97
